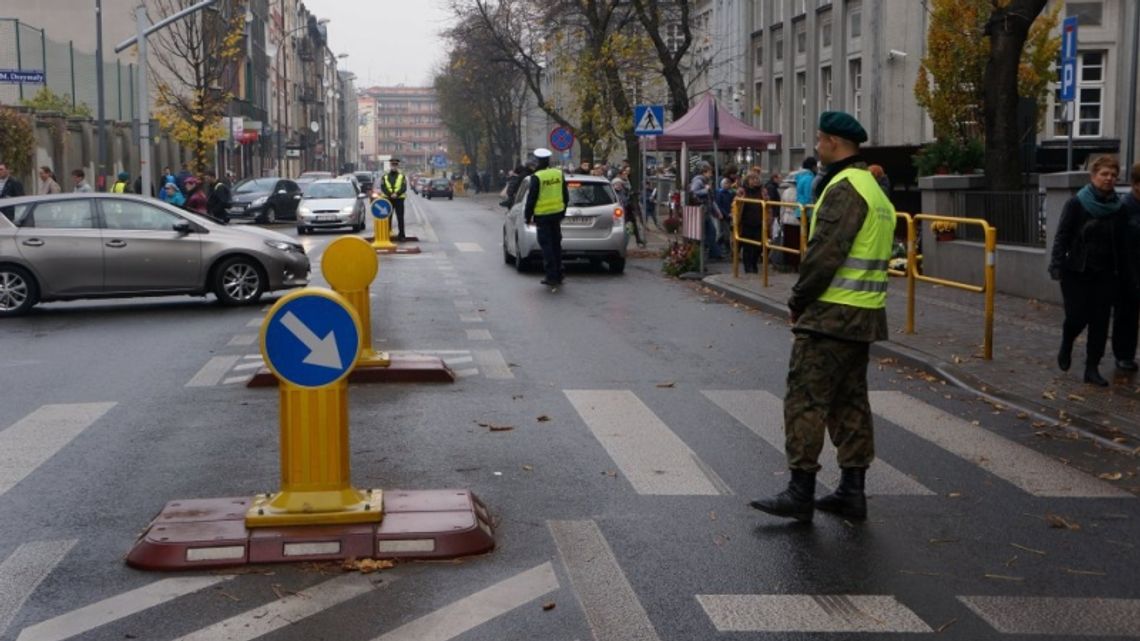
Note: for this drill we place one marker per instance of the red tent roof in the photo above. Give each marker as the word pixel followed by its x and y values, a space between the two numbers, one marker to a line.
pixel 696 129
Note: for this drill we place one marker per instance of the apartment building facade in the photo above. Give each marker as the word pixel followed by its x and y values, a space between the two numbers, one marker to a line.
pixel 401 122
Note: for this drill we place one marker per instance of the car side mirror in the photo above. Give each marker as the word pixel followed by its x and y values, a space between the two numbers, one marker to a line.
pixel 183 227
pixel 282 191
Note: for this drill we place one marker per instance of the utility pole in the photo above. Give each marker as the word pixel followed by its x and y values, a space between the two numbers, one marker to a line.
pixel 101 125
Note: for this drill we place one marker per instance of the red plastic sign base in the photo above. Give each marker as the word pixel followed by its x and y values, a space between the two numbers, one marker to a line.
pixel 404 368
pixel 211 533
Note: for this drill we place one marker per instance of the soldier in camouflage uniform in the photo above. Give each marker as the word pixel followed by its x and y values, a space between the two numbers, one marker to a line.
pixel 837 310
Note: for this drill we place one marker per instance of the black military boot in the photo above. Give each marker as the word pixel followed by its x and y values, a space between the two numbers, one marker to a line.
pixel 848 500
pixel 1065 355
pixel 796 502
pixel 1093 377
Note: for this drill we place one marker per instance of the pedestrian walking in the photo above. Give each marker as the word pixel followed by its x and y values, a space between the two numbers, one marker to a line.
pixel 650 199
pixel 195 196
pixel 219 198
pixel 79 180
pixel 171 196
pixel 701 194
pixel 48 185
pixel 838 308
pixel 546 201
pixel 122 184
pixel 10 187
pixel 1126 308
pixel 181 176
pixel 395 188
pixel 1087 257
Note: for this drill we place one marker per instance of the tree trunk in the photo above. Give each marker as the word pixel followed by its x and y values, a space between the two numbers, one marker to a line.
pixel 1007 30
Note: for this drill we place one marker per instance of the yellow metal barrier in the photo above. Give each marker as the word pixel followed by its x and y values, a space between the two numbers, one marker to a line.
pixel 988 286
pixel 766 247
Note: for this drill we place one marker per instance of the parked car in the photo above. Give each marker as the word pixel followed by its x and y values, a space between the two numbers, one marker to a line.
pixel 419 185
pixel 593 229
pixel 364 179
pixel 309 177
pixel 438 188
pixel 329 204
pixel 95 245
pixel 265 200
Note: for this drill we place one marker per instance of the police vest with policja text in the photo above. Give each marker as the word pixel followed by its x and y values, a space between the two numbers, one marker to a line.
pixel 549 192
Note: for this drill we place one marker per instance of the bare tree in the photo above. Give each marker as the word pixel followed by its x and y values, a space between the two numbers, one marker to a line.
pixel 658 17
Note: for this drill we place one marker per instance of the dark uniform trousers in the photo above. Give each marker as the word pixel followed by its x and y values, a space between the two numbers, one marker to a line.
pixel 827 390
pixel 398 208
pixel 549 231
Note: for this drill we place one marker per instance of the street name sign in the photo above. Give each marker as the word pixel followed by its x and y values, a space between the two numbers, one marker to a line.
pixel 649 120
pixel 16 76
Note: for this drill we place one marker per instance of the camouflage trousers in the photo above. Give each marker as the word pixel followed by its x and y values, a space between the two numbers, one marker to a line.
pixel 827 390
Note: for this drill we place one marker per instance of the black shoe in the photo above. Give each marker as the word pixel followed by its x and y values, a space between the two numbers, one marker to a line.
pixel 549 283
pixel 400 238
pixel 796 502
pixel 1126 366
pixel 848 500
pixel 1093 377
pixel 1065 356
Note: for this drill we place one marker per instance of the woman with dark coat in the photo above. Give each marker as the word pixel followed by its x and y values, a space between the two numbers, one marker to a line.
pixel 752 223
pixel 1087 258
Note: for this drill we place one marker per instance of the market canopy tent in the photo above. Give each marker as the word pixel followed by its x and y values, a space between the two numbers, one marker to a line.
pixel 707 125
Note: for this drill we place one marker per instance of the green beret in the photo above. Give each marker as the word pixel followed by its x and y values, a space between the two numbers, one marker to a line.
pixel 838 123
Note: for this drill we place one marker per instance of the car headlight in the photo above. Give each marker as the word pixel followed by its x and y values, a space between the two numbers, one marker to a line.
pixel 347 210
pixel 284 246
pixel 259 201
pixel 304 211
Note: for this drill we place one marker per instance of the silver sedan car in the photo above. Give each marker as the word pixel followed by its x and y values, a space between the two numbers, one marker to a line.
pixel 72 246
pixel 593 229
pixel 328 204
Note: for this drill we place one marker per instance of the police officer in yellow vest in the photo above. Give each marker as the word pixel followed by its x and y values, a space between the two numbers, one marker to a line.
pixel 838 308
pixel 545 205
pixel 395 188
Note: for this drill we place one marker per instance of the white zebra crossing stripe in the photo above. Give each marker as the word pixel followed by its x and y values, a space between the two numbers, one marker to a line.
pixel 37 437
pixel 475 610
pixel 117 607
pixel 262 620
pixel 478 335
pixel 809 613
pixel 763 413
pixel 468 247
pixel 1035 473
pixel 611 606
pixel 22 572
pixel 241 340
pixel 492 363
pixel 649 454
pixel 213 371
pixel 1057 616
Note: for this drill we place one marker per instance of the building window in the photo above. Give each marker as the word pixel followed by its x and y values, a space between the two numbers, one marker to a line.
pixel 778 46
pixel 759 55
pixel 855 13
pixel 1089 103
pixel 1089 14
pixel 778 102
pixel 825 33
pixel 757 100
pixel 674 37
pixel 825 88
pixel 801 37
pixel 801 109
pixel 855 81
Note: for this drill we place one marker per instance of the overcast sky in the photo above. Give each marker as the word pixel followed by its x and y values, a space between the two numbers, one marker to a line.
pixel 388 42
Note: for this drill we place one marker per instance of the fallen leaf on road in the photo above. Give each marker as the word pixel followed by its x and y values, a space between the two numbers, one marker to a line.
pixel 1084 572
pixel 1022 415
pixel 944 626
pixel 496 428
pixel 1076 397
pixel 1030 550
pixel 669 384
pixel 712 516
pixel 229 596
pixel 1049 396
pixel 544 418
pixel 1003 577
pixel 367 566
pixel 1061 523
pixel 528 468
pixel 954 495
pixel 547 607
pixel 610 473
pixel 1111 476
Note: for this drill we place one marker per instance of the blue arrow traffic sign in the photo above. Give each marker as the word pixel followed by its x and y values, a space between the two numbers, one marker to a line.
pixel 649 120
pixel 311 338
pixel 381 208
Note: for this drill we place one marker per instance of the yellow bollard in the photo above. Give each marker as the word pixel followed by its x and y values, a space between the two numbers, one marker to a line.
pixel 381 211
pixel 350 265
pixel 310 341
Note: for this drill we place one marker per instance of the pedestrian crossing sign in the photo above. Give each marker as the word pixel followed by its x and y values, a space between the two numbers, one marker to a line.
pixel 649 120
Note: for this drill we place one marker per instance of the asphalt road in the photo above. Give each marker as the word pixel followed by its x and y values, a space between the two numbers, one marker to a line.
pixel 644 414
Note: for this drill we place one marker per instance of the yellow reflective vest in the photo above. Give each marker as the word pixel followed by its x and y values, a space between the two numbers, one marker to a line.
pixel 119 187
pixel 861 281
pixel 549 192
pixel 393 190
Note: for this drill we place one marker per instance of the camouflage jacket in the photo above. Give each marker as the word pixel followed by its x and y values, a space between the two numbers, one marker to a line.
pixel 837 223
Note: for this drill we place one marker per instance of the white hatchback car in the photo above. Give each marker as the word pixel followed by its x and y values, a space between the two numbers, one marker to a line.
pixel 331 203
pixel 593 229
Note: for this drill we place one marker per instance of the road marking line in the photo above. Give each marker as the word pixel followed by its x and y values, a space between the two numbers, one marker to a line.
pixel 464 304
pixel 650 455
pixel 429 231
pixel 431 352
pixel 763 413
pixel 237 379
pixel 473 611
pixel 255 322
pixel 464 373
pixel 493 364
pixel 37 437
pixel 213 371
pixel 468 247
pixel 242 340
pixel 611 606
pixel 479 335
pixel 1034 473
pixel 288 610
pixel 810 613
pixel 23 571
pixel 253 357
pixel 244 366
pixel 1057 616
pixel 117 607
pixel 458 360
pixel 470 318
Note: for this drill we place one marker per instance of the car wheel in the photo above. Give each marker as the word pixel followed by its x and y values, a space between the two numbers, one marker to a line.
pixel 270 215
pixel 507 258
pixel 18 291
pixel 302 230
pixel 238 281
pixel 617 265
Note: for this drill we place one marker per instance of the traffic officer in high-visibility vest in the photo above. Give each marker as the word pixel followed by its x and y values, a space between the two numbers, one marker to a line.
pixel 545 206
pixel 395 188
pixel 838 308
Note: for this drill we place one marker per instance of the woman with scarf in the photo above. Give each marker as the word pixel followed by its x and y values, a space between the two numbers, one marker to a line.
pixel 1087 258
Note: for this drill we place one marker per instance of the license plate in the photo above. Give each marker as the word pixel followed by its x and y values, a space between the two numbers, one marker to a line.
pixel 326 219
pixel 578 220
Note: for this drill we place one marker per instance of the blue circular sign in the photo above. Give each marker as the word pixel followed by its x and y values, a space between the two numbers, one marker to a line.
pixel 311 338
pixel 381 208
pixel 561 138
